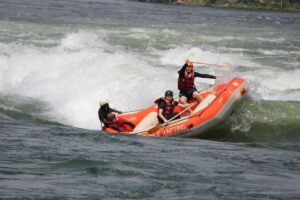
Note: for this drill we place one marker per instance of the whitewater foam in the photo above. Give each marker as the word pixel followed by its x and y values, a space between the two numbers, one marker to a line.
pixel 85 66
pixel 73 76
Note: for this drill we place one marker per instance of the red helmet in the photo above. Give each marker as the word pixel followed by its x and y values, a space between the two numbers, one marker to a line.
pixel 190 64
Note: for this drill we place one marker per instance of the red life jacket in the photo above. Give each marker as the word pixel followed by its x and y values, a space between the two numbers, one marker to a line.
pixel 111 118
pixel 169 108
pixel 187 81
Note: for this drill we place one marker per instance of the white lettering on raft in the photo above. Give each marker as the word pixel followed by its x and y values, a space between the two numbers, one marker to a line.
pixel 172 130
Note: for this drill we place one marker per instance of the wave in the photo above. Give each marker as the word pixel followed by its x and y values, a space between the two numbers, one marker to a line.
pixel 252 121
pixel 260 121
pixel 26 109
pixel 273 52
pixel 272 40
pixel 87 65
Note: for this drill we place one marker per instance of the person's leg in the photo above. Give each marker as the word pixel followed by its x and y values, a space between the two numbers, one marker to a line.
pixel 183 97
pixel 129 124
pixel 117 128
pixel 122 121
pixel 173 115
pixel 183 100
pixel 197 96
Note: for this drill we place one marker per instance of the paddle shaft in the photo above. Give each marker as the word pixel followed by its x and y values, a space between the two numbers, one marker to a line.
pixel 159 126
pixel 180 113
pixel 217 65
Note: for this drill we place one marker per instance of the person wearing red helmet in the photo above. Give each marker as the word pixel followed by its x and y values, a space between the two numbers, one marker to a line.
pixel 186 86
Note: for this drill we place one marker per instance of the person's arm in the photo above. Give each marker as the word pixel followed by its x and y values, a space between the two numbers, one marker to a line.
pixel 105 121
pixel 114 110
pixel 160 114
pixel 204 75
pixel 161 106
pixel 102 118
pixel 181 71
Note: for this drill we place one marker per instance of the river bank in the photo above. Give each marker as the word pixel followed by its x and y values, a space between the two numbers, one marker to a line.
pixel 285 5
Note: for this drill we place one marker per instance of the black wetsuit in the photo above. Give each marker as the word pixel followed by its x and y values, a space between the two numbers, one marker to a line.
pixel 103 113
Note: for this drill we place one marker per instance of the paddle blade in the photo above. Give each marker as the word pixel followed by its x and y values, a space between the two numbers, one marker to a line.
pixel 226 66
pixel 154 129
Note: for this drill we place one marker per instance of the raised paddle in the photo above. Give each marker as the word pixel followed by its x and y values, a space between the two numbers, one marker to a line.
pixel 216 65
pixel 159 126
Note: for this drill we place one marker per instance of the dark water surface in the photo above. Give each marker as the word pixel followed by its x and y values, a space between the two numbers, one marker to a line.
pixel 42 160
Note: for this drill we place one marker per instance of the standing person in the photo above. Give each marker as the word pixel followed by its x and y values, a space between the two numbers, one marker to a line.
pixel 108 118
pixel 166 106
pixel 186 86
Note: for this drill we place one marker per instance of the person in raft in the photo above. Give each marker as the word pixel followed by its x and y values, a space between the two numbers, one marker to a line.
pixel 166 107
pixel 108 118
pixel 186 86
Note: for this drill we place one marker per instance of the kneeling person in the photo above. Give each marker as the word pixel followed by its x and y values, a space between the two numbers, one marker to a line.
pixel 166 107
pixel 109 119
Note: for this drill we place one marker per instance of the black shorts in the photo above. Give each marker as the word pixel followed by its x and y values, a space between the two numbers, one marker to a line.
pixel 187 93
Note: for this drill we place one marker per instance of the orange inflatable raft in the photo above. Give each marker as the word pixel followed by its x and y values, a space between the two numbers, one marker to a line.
pixel 217 104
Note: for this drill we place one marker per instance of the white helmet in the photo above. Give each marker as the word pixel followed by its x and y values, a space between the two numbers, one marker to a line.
pixel 103 102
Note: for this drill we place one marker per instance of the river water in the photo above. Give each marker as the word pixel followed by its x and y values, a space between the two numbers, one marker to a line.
pixel 59 58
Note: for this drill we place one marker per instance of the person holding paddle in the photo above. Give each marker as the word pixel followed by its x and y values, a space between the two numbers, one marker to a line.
pixel 166 107
pixel 186 86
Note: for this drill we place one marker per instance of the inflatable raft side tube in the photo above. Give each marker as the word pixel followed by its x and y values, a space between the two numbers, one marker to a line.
pixel 221 116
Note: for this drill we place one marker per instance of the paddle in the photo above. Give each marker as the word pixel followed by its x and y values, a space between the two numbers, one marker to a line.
pixel 159 126
pixel 217 65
